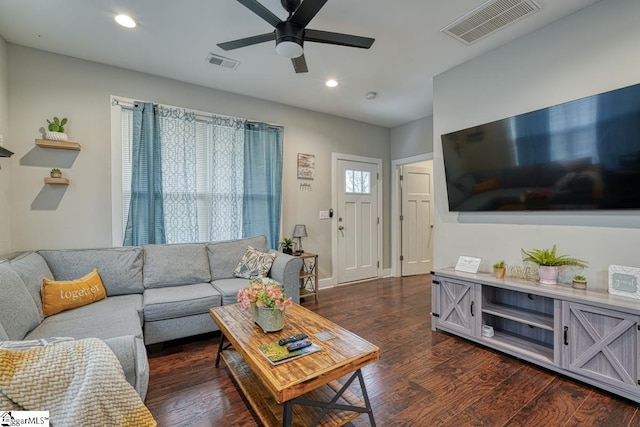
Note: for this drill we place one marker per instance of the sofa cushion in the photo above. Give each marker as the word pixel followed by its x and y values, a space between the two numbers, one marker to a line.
pixel 229 288
pixel 170 265
pixel 254 264
pixel 18 312
pixel 119 268
pixel 3 333
pixel 224 256
pixel 32 268
pixel 108 318
pixel 58 296
pixel 179 301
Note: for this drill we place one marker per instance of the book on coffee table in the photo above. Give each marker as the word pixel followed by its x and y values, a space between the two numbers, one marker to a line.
pixel 276 353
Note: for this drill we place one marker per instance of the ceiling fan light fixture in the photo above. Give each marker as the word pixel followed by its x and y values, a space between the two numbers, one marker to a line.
pixel 289 49
pixel 126 21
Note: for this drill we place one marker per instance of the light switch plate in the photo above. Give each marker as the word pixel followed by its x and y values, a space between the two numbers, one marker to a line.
pixel 324 214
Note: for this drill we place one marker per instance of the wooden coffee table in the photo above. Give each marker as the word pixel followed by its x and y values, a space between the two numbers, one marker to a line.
pixel 309 382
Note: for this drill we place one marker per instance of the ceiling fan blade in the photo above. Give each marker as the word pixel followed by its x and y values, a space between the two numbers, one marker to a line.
pixel 337 38
pixel 261 11
pixel 300 64
pixel 247 41
pixel 306 11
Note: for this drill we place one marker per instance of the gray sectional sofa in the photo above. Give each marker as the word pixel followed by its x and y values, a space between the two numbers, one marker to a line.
pixel 155 293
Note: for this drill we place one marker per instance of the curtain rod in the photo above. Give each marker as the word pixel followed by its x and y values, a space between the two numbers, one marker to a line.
pixel 128 105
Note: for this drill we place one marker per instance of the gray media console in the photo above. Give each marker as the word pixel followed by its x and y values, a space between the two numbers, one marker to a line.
pixel 588 335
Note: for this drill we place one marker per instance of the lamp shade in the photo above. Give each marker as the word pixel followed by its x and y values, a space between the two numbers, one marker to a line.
pixel 300 230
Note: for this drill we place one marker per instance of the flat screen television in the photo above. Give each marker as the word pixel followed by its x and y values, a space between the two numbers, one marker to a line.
pixel 580 155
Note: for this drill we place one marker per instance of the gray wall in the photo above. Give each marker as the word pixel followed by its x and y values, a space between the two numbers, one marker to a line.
pixel 412 138
pixel 592 51
pixel 5 164
pixel 43 84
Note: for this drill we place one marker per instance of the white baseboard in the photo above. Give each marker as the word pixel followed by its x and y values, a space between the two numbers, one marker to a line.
pixel 330 282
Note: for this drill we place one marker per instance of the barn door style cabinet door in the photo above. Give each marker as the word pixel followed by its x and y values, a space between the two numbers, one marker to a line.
pixel 601 344
pixel 455 307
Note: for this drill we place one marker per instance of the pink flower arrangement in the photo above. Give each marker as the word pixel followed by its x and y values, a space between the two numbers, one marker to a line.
pixel 266 294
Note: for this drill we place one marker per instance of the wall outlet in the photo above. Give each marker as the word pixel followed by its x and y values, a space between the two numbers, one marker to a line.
pixel 324 214
pixel 1 139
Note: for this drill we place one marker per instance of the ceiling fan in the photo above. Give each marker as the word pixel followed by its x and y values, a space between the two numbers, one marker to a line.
pixel 291 34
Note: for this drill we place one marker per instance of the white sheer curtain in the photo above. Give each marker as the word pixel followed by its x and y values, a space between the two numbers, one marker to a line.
pixel 203 173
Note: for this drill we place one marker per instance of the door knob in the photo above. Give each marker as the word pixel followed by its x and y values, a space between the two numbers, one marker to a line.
pixel 340 228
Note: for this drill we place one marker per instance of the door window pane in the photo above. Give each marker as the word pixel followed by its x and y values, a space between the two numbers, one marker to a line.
pixel 357 182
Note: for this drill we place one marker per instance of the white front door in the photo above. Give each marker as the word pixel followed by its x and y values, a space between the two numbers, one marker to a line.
pixel 417 249
pixel 357 220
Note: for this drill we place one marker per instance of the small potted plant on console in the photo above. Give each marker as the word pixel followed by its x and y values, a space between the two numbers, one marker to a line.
pixel 579 282
pixel 499 268
pixel 548 262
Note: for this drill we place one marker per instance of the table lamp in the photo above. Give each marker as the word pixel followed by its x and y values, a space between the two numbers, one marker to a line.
pixel 299 231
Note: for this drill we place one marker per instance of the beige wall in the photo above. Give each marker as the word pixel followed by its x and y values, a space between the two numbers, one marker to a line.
pixel 592 51
pixel 43 84
pixel 5 164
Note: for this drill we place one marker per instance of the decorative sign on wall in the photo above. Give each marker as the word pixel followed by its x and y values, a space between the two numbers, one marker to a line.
pixel 306 166
pixel 624 281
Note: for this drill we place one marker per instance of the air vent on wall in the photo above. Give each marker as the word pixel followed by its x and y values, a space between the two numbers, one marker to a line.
pixel 222 61
pixel 489 18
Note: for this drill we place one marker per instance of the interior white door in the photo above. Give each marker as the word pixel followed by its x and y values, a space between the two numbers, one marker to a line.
pixel 357 221
pixel 416 221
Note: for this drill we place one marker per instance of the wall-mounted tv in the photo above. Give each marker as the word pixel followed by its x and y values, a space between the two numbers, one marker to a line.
pixel 580 155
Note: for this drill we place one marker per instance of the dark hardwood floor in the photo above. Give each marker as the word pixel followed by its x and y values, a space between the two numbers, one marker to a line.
pixel 422 379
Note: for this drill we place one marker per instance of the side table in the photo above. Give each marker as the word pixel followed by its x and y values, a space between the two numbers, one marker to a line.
pixel 308 275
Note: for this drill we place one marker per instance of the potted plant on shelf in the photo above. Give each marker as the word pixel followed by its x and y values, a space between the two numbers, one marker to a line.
pixel 55 173
pixel 56 130
pixel 499 268
pixel 579 282
pixel 548 262
pixel 287 245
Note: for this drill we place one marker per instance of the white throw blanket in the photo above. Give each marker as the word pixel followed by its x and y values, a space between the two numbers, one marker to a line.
pixel 80 383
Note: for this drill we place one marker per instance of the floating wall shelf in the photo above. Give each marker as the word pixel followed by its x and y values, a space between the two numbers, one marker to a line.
pixel 56 181
pixel 60 145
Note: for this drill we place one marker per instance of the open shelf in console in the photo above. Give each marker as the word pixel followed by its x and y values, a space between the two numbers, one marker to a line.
pixel 522 322
pixel 532 318
pixel 521 346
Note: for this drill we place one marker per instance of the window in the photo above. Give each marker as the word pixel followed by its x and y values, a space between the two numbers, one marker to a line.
pixel 203 173
pixel 357 182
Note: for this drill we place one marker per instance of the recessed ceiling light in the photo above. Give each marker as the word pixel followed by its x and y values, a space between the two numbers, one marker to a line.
pixel 371 95
pixel 331 83
pixel 126 21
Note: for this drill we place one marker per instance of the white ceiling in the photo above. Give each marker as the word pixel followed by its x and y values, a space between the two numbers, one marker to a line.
pixel 175 37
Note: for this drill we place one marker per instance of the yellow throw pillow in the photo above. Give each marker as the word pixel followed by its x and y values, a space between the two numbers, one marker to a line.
pixel 65 295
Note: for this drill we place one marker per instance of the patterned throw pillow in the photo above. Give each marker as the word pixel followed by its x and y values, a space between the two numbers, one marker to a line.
pixel 254 264
pixel 65 295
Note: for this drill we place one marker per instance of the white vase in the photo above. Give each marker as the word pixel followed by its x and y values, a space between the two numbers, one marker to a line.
pixel 548 275
pixel 55 136
pixel 270 320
